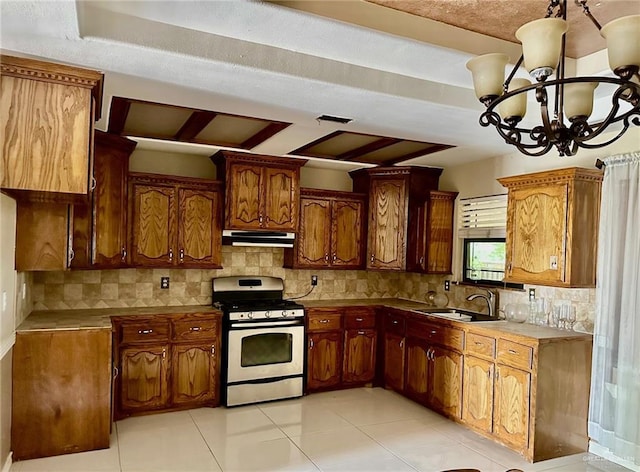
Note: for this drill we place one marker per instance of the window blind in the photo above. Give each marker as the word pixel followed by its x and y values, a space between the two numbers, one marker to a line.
pixel 483 217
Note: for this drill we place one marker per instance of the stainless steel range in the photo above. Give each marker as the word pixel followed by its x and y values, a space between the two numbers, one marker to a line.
pixel 263 352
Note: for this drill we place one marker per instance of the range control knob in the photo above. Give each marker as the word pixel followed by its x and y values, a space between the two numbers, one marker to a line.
pixel 267 314
pixel 250 315
pixel 284 313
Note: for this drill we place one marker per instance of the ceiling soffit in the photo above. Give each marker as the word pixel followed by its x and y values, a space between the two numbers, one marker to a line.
pixel 145 119
pixel 366 148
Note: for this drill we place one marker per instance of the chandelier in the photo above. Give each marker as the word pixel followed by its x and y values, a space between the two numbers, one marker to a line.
pixel 543 52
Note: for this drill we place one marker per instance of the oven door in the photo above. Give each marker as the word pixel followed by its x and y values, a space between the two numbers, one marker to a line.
pixel 265 350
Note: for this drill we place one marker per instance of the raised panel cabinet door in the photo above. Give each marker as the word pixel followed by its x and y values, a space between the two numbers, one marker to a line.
pixel 417 370
pixel 144 383
pixel 417 238
pixel 346 234
pixel 109 200
pixel 477 393
pixel 244 193
pixel 280 199
pixel 511 406
pixel 387 224
pixel 154 225
pixel 199 231
pixel 536 234
pixel 314 235
pixel 445 381
pixel 359 355
pixel 324 359
pixel 439 232
pixel 45 131
pixel 194 373
pixel 394 358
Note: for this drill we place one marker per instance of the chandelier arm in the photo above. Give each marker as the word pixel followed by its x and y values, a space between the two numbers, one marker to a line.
pixel 541 97
pixel 626 119
pixel 587 12
pixel 513 135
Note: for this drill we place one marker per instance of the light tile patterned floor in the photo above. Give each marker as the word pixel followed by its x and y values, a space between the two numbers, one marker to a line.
pixel 349 430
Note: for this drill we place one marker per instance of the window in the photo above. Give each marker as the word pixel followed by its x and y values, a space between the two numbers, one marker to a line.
pixel 482 229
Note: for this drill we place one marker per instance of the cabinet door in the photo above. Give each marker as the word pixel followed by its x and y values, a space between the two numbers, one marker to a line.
pixel 417 238
pixel 44 236
pixel 143 377
pixel 199 232
pixel 280 199
pixel 110 168
pixel 445 381
pixel 313 238
pixel 417 370
pixel 387 224
pixel 194 373
pixel 346 234
pixel 511 406
pixel 324 359
pixel 243 201
pixel 477 393
pixel 536 230
pixel 359 355
pixel 153 225
pixel 439 230
pixel 394 361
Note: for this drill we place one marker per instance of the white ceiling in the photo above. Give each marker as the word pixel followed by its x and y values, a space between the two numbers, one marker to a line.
pixel 269 61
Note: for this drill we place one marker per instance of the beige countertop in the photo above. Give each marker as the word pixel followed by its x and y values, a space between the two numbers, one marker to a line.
pixel 101 318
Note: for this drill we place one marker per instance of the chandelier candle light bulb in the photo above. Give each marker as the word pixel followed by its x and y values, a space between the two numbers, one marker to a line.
pixel 543 46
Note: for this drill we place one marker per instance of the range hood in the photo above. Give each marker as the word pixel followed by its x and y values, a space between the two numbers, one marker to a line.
pixel 234 237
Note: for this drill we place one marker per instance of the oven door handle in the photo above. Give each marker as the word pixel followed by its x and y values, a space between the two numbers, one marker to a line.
pixel 265 324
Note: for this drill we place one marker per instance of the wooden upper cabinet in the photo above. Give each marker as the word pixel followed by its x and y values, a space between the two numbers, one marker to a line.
pixel 46 125
pixel 331 231
pixel 552 227
pixel 439 232
pixel 395 196
pixel 100 225
pixel 175 222
pixel 261 192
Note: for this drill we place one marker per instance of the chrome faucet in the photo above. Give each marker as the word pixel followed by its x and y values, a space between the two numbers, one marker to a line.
pixel 490 298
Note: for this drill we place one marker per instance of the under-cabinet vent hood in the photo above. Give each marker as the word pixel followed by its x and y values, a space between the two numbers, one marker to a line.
pixel 258 238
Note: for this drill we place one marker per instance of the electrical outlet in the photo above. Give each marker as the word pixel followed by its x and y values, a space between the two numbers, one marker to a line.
pixel 532 294
pixel 314 280
pixel 164 282
pixel 447 285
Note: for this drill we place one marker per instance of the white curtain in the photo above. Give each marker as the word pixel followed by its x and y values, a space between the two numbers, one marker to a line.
pixel 614 410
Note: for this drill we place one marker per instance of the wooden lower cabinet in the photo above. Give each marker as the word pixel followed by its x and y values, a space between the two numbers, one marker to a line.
pixel 144 383
pixel 511 406
pixel 61 403
pixel 359 355
pixel 394 359
pixel 417 370
pixel 477 393
pixel 324 360
pixel 166 362
pixel 445 381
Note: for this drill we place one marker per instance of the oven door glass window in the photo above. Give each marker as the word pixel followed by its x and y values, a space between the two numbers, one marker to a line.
pixel 266 349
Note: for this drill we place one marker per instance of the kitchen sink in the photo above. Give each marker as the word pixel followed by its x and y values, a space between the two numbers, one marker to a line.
pixel 455 314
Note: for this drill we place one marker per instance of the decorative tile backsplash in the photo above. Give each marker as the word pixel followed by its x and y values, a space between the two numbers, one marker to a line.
pixel 141 287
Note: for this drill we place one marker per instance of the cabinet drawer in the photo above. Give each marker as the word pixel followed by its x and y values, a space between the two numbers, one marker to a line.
pixel 443 335
pixel 196 329
pixel 514 354
pixel 394 323
pixel 482 346
pixel 145 331
pixel 360 319
pixel 324 321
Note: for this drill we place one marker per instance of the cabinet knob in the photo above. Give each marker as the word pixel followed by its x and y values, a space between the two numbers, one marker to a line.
pixel 260 219
pixel 124 254
pixel 422 260
pixel 94 184
pixel 115 372
pixel 326 257
pixel 213 350
pixel 371 257
pixel 145 331
pixel 401 343
pixel 194 328
pixel 310 343
pixel 170 254
pixel 335 257
pixel 164 353
pixel 181 255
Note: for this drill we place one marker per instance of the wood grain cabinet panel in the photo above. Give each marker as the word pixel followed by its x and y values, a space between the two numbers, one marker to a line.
pixel 511 406
pixel 175 222
pixel 387 224
pixel 62 402
pixel 46 125
pixel 261 192
pixel 477 393
pixel 194 370
pixel 324 360
pixel 439 233
pixel 417 370
pixel 394 361
pixel 331 231
pixel 144 383
pixel 445 381
pixel 359 355
pixel 552 225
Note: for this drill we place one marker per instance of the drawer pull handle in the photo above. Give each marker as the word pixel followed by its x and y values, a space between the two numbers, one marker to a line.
pixel 324 321
pixel 145 331
pixel 194 328
pixel 395 321
pixel 511 351
pixel 361 333
pixel 359 320
pixel 478 343
pixel 433 331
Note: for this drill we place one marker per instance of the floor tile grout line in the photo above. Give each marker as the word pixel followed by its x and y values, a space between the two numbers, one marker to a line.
pixel 205 441
pixel 115 425
pixel 401 459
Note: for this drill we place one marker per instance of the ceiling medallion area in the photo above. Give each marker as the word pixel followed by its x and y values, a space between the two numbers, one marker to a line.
pixel 144 119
